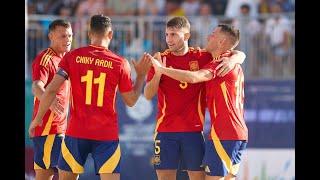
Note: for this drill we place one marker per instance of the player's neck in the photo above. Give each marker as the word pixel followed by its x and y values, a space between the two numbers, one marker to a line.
pixel 102 43
pixel 216 53
pixel 182 51
pixel 58 53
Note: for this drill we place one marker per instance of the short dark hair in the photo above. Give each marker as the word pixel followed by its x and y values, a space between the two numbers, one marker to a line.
pixel 59 22
pixel 178 22
pixel 232 32
pixel 100 24
pixel 245 6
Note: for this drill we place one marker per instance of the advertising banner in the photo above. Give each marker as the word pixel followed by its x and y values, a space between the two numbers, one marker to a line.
pixel 270 116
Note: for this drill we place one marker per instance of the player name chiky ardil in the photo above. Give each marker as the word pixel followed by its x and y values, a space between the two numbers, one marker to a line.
pixel 91 60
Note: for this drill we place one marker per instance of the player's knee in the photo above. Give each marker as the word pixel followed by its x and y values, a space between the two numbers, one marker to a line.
pixel 166 174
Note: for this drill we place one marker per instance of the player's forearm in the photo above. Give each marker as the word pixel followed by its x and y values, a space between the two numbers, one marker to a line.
pixel 238 56
pixel 151 87
pixel 180 75
pixel 38 90
pixel 45 103
pixel 136 91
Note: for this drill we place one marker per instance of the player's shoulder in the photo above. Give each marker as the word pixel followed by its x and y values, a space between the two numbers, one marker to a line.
pixel 49 52
pixel 165 52
pixel 79 49
pixel 200 54
pixel 198 51
pixel 44 57
pixel 119 57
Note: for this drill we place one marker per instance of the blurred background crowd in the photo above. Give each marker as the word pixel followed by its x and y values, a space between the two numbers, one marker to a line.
pixel 267 27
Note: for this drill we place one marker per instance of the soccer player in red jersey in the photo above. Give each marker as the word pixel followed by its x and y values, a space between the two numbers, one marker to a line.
pixel 225 99
pixel 47 138
pixel 95 74
pixel 181 105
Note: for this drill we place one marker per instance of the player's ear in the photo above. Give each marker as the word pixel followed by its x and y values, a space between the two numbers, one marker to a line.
pixel 186 36
pixel 89 34
pixel 223 41
pixel 50 36
pixel 110 34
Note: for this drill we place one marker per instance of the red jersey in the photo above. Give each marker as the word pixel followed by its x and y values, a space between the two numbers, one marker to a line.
pixel 95 74
pixel 225 98
pixel 43 68
pixel 181 105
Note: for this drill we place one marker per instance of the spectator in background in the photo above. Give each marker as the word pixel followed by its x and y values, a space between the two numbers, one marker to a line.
pixel 278 31
pixel 263 7
pixel 89 8
pixel 39 6
pixel 85 8
pixel 150 7
pixel 52 6
pixel 35 34
pixel 173 8
pixel 218 6
pixel 48 137
pixel 287 6
pixel 233 6
pixel 65 11
pixel 55 8
pixel 250 28
pixel 121 7
pixel 191 7
pixel 134 45
pixel 204 24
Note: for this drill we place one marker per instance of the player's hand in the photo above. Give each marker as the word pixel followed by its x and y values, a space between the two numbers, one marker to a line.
pixel 161 61
pixel 157 62
pixel 33 125
pixel 143 67
pixel 156 57
pixel 225 66
pixel 198 49
pixel 56 106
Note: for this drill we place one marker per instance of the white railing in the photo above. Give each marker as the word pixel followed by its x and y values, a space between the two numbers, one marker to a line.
pixel 134 35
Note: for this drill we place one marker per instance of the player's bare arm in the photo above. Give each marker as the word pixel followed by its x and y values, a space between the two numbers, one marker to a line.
pixel 228 63
pixel 181 75
pixel 38 90
pixel 142 68
pixel 46 101
pixel 151 87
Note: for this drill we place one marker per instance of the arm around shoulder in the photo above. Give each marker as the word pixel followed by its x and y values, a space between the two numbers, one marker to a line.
pixel 239 56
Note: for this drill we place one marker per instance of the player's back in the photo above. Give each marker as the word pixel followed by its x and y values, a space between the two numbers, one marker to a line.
pixel 95 74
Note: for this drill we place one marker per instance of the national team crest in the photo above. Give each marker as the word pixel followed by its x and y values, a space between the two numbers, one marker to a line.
pixel 194 66
pixel 156 159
